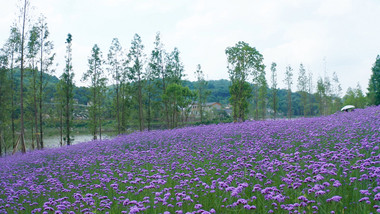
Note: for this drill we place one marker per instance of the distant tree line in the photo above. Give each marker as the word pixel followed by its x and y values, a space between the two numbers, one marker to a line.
pixel 129 88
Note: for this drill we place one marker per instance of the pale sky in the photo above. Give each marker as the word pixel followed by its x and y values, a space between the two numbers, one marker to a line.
pixel 341 35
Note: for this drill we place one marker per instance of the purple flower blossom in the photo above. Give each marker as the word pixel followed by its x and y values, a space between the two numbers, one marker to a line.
pixel 320 192
pixel 242 201
pixel 198 206
pixel 377 197
pixel 364 199
pixel 337 183
pixel 334 198
pixel 364 192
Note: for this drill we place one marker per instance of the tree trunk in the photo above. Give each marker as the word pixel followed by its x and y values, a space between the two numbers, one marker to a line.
pixel 40 100
pixel 12 104
pixel 117 108
pixel 141 116
pixel 289 104
pixel 123 100
pixel 22 83
pixel 68 140
pixel 100 129
pixel 61 125
pixel 149 110
pixel 165 103
pixel 274 103
pixel 95 110
pixel 256 103
pixel 1 142
pixel 32 137
pixel 35 110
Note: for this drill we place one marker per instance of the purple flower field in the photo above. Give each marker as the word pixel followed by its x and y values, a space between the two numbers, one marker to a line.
pixel 317 165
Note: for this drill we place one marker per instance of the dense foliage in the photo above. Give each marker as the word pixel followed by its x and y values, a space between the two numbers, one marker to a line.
pixel 218 89
pixel 374 84
pixel 314 165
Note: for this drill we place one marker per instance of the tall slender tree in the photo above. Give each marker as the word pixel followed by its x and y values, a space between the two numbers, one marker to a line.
pixel 274 88
pixel 115 70
pixel 302 88
pixel 46 58
pixel 243 61
pixel 175 67
pixel 33 47
pixel 201 91
pixel 126 94
pixel 149 91
pixel 67 87
pixel 174 72
pixel 24 17
pixel 159 73
pixel 137 57
pixel 13 46
pixel 95 74
pixel 289 82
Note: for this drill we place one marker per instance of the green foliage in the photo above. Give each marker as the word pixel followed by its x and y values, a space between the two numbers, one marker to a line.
pixel 98 84
pixel 262 98
pixel 302 88
pixel 374 84
pixel 243 61
pixel 274 89
pixel 355 97
pixel 5 107
pixel 240 94
pixel 289 82
pixel 174 67
pixel 137 57
pixel 201 91
pixel 67 86
pixel 115 69
pixel 179 98
pixel 321 95
pixel 46 59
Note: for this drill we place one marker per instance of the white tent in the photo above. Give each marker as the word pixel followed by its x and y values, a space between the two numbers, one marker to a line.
pixel 347 107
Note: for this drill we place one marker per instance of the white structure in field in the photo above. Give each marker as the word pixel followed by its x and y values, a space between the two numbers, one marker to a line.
pixel 348 108
pixel 208 107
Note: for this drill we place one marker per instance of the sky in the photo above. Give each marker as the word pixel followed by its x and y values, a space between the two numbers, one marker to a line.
pixel 326 36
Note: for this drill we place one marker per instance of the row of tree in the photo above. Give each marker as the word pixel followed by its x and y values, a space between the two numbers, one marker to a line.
pixel 30 50
pixel 143 88
pixel 152 88
pixel 249 87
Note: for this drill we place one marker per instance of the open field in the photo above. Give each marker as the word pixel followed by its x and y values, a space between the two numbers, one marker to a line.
pixel 313 165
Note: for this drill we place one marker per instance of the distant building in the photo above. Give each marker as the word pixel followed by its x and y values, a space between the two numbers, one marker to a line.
pixel 208 107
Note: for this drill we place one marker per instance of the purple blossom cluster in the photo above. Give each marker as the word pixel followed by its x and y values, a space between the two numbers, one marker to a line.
pixel 312 165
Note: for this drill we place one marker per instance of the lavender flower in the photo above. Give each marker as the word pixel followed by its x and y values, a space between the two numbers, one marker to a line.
pixel 334 198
